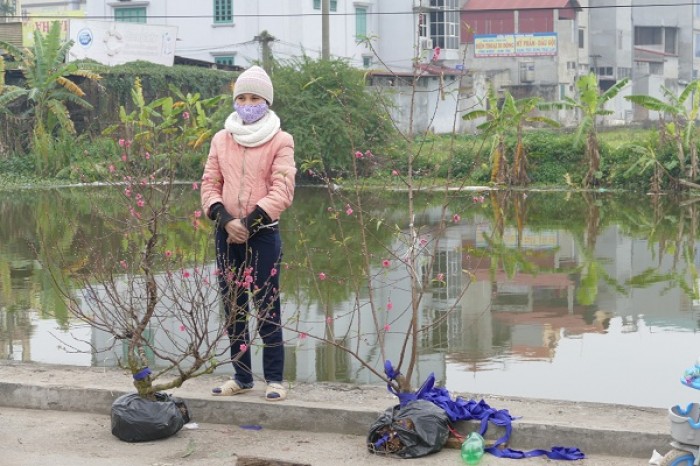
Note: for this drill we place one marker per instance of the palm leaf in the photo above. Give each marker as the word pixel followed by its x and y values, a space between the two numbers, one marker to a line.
pixel 691 88
pixel 70 86
pixel 88 74
pixel 614 90
pixel 509 107
pixel 545 120
pixel 652 103
pixel 474 114
pixel 567 104
pixel 9 95
pixel 64 95
pixel 13 50
pixel 59 110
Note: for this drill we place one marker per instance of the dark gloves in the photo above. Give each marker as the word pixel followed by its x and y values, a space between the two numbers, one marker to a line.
pixel 220 215
pixel 256 219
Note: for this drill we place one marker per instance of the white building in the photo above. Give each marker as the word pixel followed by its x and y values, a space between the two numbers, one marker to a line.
pixel 227 31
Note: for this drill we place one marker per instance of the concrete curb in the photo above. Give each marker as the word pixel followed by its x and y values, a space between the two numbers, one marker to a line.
pixel 291 416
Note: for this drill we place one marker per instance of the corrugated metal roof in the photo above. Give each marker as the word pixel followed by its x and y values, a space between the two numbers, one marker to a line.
pixel 484 5
pixel 11 33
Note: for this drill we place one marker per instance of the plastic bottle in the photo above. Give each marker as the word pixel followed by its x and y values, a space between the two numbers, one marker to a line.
pixel 473 448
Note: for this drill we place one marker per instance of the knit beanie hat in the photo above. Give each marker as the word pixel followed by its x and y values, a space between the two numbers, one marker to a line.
pixel 254 80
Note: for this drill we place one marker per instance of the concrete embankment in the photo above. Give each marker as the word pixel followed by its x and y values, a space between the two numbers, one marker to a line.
pixel 596 429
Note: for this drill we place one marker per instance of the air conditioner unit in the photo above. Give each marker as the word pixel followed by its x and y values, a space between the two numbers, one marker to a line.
pixel 527 72
pixel 425 43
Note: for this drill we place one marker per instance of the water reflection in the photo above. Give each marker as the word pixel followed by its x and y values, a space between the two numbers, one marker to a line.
pixel 569 296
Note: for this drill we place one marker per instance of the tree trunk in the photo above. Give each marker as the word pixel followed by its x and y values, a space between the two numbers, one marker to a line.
pixel 520 165
pixel 591 178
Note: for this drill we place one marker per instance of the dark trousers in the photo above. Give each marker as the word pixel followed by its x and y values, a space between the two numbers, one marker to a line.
pixel 246 278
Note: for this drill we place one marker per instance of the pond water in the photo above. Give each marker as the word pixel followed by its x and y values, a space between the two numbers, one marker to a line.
pixel 573 296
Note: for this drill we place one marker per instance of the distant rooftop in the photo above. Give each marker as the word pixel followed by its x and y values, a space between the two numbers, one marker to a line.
pixel 483 5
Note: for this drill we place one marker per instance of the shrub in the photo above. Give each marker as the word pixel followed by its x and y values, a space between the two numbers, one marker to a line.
pixel 325 105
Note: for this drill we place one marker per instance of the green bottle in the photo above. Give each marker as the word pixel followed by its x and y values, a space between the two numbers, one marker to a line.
pixel 473 448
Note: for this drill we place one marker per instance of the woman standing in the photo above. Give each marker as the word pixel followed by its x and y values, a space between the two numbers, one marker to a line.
pixel 248 182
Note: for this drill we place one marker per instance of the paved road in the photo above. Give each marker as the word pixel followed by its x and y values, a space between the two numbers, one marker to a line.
pixel 31 437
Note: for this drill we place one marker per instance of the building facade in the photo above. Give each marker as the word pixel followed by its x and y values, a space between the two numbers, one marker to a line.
pixel 650 42
pixel 459 47
pixel 230 32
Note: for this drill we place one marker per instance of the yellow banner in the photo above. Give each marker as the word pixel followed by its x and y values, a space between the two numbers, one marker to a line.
pixel 42 22
pixel 515 45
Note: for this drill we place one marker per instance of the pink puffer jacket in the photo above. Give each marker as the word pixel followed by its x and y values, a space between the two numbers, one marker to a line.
pixel 242 177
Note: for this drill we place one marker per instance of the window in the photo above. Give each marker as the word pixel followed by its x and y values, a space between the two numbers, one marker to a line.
pixel 444 25
pixel 670 41
pixel 360 22
pixel 624 72
pixel 223 11
pixel 130 15
pixel 656 68
pixel 697 45
pixel 697 10
pixel 422 25
pixel 333 5
pixel 658 38
pixel 647 35
pixel 605 71
pixel 366 61
pixel 581 38
pixel 229 60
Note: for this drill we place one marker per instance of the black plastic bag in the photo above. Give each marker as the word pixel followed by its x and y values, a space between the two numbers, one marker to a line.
pixel 416 429
pixel 136 419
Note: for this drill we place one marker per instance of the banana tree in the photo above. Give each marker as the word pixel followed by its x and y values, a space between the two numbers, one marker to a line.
pixel 501 120
pixel 682 126
pixel 648 161
pixel 521 113
pixel 591 103
pixel 496 125
pixel 48 82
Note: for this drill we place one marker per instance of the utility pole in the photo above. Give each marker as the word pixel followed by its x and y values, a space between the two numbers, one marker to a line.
pixel 265 38
pixel 325 46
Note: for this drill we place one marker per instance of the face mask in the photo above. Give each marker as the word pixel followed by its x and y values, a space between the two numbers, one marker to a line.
pixel 251 113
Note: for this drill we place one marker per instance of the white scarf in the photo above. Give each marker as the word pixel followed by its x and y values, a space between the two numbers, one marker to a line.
pixel 254 134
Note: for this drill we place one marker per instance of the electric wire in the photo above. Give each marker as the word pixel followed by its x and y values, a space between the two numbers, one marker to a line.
pixel 424 9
